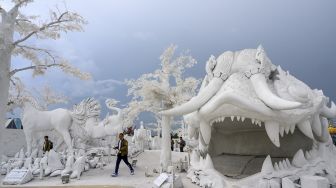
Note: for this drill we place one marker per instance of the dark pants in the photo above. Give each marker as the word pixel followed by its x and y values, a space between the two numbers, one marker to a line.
pixel 181 149
pixel 124 158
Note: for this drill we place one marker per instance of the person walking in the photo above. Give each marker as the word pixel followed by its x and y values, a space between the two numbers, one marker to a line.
pixel 182 144
pixel 122 155
pixel 47 145
pixel 171 143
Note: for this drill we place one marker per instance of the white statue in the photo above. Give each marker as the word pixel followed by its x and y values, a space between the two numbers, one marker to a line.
pixel 54 162
pixel 36 120
pixel 156 143
pixel 78 167
pixel 248 107
pixel 69 165
pixel 36 166
pixel 87 112
pixel 43 166
pixel 82 122
pixel 141 137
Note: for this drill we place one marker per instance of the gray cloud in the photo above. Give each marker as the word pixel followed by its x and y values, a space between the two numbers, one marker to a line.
pixel 124 38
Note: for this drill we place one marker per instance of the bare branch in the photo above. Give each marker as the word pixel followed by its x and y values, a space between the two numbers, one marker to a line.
pixel 22 20
pixel 12 81
pixel 44 27
pixel 33 67
pixel 17 22
pixel 48 52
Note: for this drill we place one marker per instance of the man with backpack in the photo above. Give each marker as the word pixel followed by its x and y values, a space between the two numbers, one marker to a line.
pixel 182 144
pixel 47 145
pixel 122 149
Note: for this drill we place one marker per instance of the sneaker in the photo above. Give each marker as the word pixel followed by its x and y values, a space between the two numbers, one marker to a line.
pixel 132 172
pixel 114 175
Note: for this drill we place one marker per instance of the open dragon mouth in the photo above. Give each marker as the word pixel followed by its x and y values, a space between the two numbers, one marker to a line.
pixel 239 145
pixel 258 125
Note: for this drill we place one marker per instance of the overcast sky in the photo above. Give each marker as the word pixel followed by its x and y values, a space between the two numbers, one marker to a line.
pixel 124 39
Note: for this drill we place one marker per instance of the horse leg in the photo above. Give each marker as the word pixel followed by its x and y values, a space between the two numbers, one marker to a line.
pixel 59 142
pixel 29 139
pixel 67 139
pixel 34 141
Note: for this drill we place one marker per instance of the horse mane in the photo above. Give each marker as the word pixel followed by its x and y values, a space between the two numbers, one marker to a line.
pixel 81 112
pixel 86 109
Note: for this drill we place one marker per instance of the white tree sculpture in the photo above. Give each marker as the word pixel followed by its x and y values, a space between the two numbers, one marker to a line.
pixel 15 31
pixel 18 94
pixel 162 89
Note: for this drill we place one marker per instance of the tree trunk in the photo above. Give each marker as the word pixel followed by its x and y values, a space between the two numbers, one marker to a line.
pixel 6 48
pixel 165 158
pixel 4 86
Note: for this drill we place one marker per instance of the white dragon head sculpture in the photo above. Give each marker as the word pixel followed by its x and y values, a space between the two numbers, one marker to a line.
pixel 249 107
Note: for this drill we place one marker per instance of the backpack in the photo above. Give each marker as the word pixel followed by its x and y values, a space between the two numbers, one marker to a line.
pixel 51 145
pixel 183 143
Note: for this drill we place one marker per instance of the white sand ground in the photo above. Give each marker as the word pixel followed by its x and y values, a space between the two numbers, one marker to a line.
pixel 102 178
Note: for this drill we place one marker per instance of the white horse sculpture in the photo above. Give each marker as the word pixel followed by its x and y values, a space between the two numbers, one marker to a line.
pixel 83 121
pixel 35 120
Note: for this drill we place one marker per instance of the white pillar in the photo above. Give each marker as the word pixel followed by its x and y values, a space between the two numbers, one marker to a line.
pixel 165 159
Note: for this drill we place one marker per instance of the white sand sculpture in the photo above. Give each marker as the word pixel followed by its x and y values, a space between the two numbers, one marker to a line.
pixel 69 165
pixel 36 166
pixel 82 122
pixel 78 167
pixel 246 114
pixel 35 120
pixel 54 163
pixel 156 143
pixel 87 115
pixel 142 137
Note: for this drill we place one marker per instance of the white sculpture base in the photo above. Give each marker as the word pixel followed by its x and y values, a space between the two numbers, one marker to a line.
pixel 314 182
pixel 18 176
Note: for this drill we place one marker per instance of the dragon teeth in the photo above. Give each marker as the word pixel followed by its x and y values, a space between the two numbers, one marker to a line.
pixel 272 130
pixel 238 118
pixel 288 163
pixel 232 118
pixel 308 155
pixel 282 130
pixel 276 167
pixel 316 125
pixel 243 119
pixel 287 128
pixel 292 128
pixel 299 159
pixel 281 165
pixel 306 129
pixel 267 166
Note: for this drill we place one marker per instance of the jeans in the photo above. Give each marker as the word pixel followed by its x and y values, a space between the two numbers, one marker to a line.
pixel 124 158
